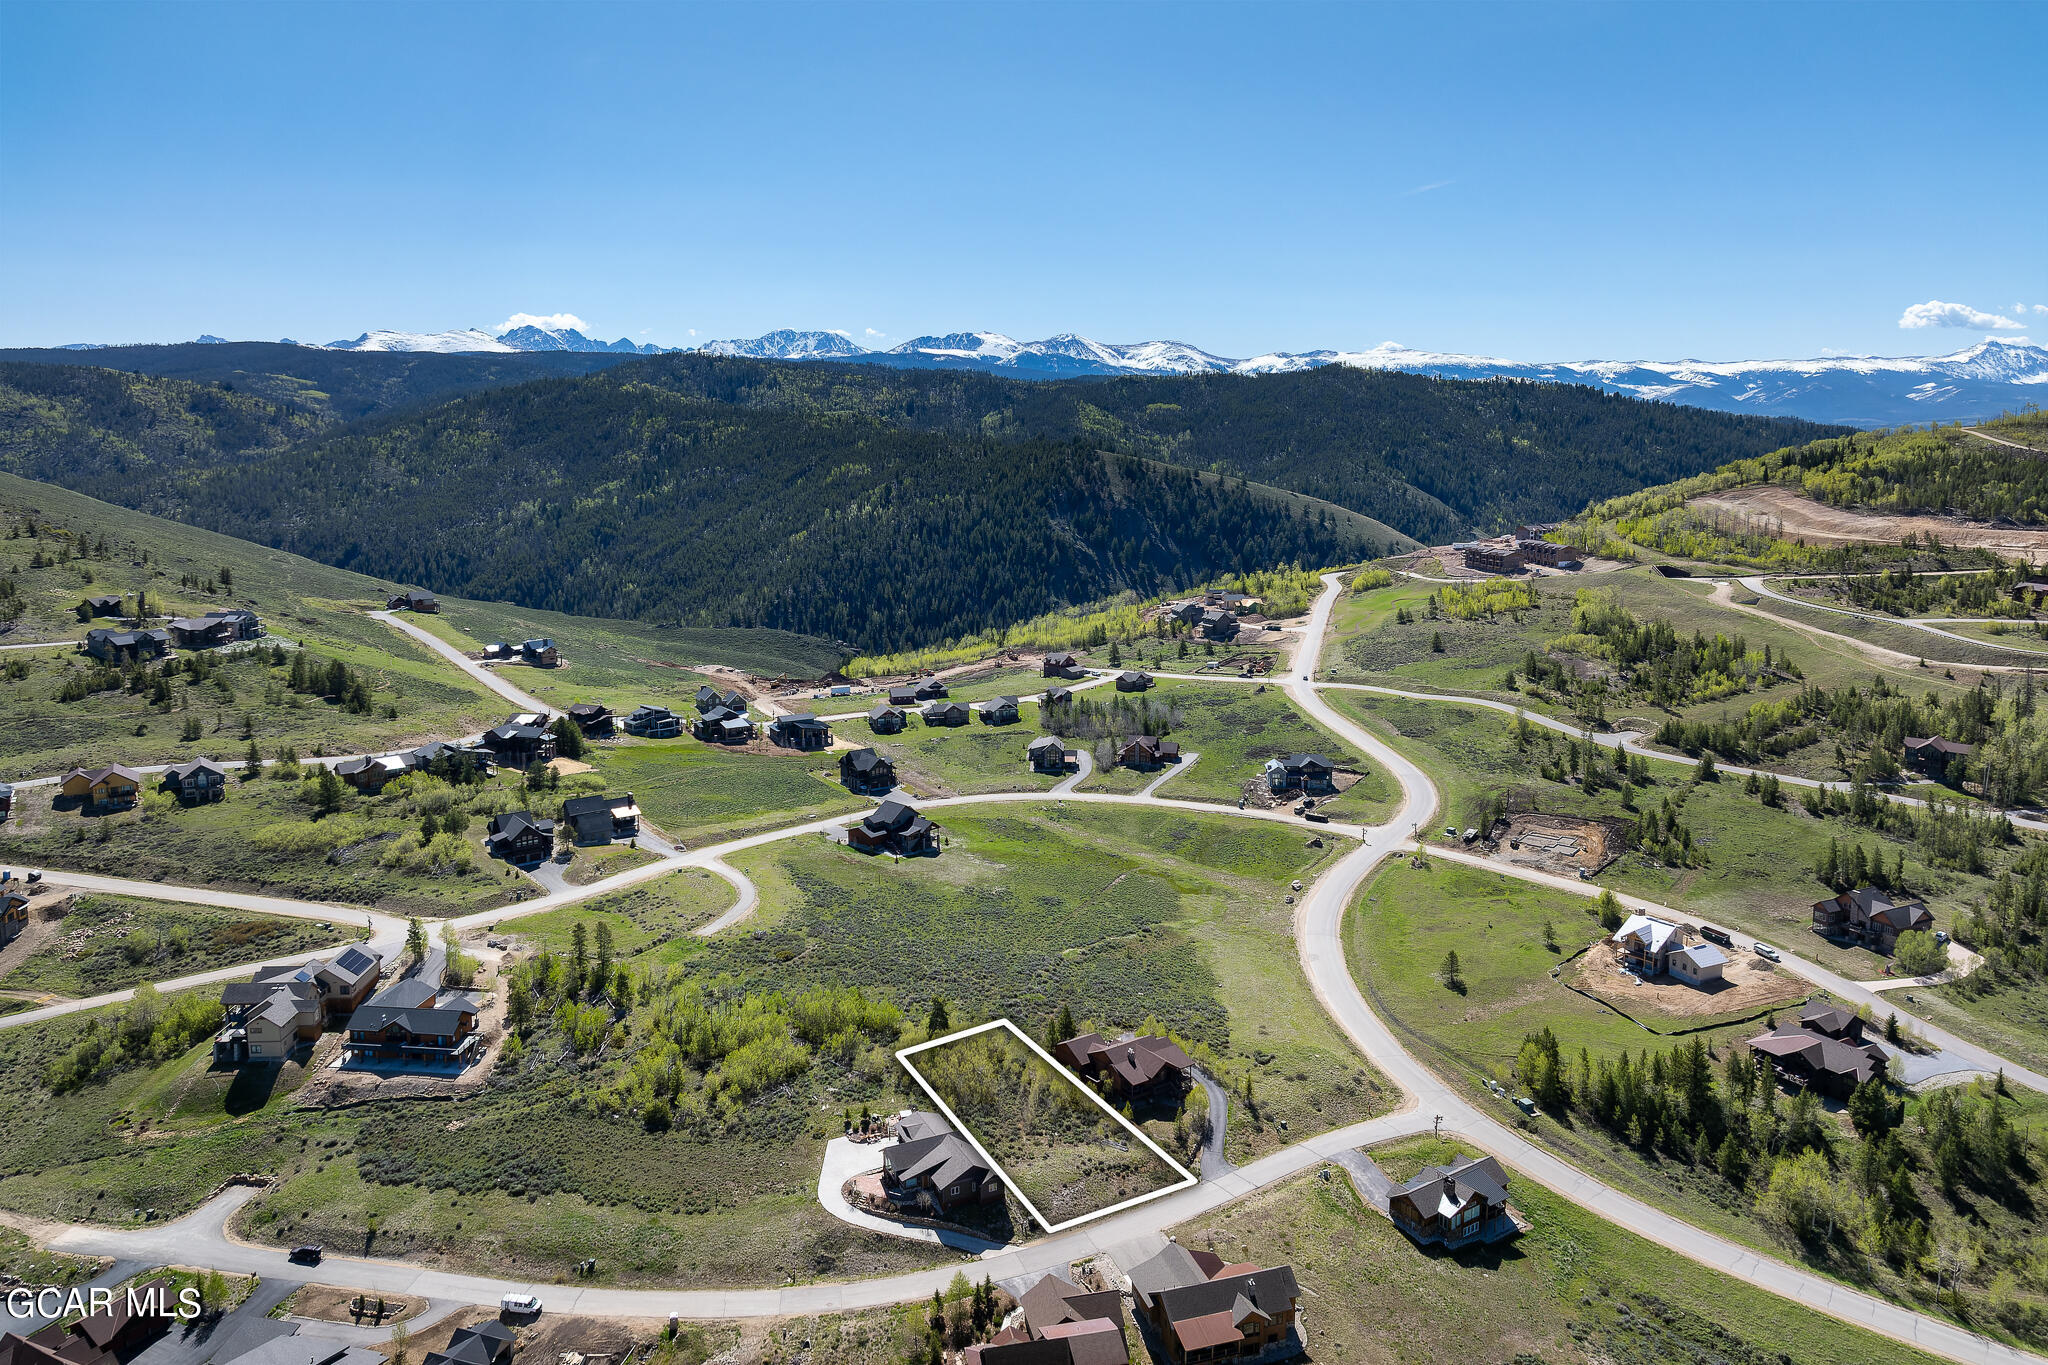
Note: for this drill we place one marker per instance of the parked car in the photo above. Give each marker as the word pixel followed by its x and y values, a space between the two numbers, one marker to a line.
pixel 1765 950
pixel 1713 935
pixel 1941 936
pixel 522 1305
pixel 306 1255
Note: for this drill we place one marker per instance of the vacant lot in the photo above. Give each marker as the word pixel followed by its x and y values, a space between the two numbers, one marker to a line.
pixel 653 918
pixel 703 794
pixel 958 759
pixel 1140 919
pixel 1576 1288
pixel 1797 517
pixel 1055 1144
pixel 104 943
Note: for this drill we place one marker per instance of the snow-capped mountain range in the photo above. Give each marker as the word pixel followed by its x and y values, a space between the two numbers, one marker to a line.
pixel 1979 381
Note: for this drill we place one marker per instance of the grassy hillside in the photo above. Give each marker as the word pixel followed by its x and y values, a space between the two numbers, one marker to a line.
pixel 58 547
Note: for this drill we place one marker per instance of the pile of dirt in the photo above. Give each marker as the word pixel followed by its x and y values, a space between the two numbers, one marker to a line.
pixel 1750 984
pixel 1558 843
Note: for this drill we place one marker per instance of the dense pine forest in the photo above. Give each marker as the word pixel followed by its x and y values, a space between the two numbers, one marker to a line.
pixel 627 501
pixel 886 508
pixel 1432 458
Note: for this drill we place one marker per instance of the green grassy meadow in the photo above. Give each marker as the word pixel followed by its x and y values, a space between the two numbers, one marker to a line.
pixel 1132 919
pixel 704 794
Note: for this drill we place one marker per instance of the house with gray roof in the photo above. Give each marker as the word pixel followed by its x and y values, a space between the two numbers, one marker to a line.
pixel 894 827
pixel 1871 917
pixel 201 779
pixel 417 1019
pixel 281 1008
pixel 1457 1204
pixel 887 719
pixel 932 1168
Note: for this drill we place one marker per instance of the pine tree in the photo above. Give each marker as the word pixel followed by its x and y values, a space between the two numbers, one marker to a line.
pixel 939 1021
pixel 415 939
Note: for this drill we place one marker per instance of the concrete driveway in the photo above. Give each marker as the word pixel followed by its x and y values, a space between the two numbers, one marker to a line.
pixel 845 1159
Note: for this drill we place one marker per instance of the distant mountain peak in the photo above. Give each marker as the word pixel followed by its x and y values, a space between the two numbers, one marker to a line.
pixel 788 344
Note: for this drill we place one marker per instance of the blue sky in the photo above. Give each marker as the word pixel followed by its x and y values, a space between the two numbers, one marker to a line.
pixel 1533 182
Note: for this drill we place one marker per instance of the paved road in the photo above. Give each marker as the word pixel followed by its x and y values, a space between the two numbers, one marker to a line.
pixel 1757 585
pixel 1319 919
pixel 1319 924
pixel 488 677
pixel 1214 1162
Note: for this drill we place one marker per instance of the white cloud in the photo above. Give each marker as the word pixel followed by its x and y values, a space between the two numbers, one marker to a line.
pixel 2041 307
pixel 873 333
pixel 840 332
pixel 547 322
pixel 1425 189
pixel 1935 313
pixel 693 331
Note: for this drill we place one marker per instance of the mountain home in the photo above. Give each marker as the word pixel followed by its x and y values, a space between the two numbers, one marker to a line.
pixel 127 646
pixel 932 1169
pixel 1217 624
pixel 1133 680
pixel 281 1008
pixel 1825 1051
pixel 202 779
pixel 109 605
pixel 369 773
pixel 1454 1205
pixel 864 770
pixel 14 916
pixel 214 629
pixel 1057 696
pixel 100 789
pixel 540 653
pixel 1870 917
pixel 413 599
pixel 1141 1067
pixel 1301 772
pixel 709 697
pixel 601 819
pixel 653 722
pixel 1148 751
pixel 1059 1323
pixel 1933 755
pixel 720 725
pixel 1062 666
pixel 999 711
pixel 1201 1308
pixel 487 1343
pixel 930 688
pixel 894 827
pixel 520 742
pixel 887 720
pixel 946 713
pixel 803 731
pixel 521 838
pixel 1048 755
pixel 594 719
pixel 417 1019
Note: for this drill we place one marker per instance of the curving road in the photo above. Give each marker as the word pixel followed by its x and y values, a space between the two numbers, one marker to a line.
pixel 488 677
pixel 1319 927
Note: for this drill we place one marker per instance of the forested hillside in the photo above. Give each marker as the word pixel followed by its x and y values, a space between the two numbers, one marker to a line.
pixel 889 509
pixel 122 437
pixel 1433 458
pixel 628 500
pixel 342 385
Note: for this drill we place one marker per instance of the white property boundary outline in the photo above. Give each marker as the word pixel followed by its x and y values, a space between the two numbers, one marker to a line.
pixel 1187 1178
